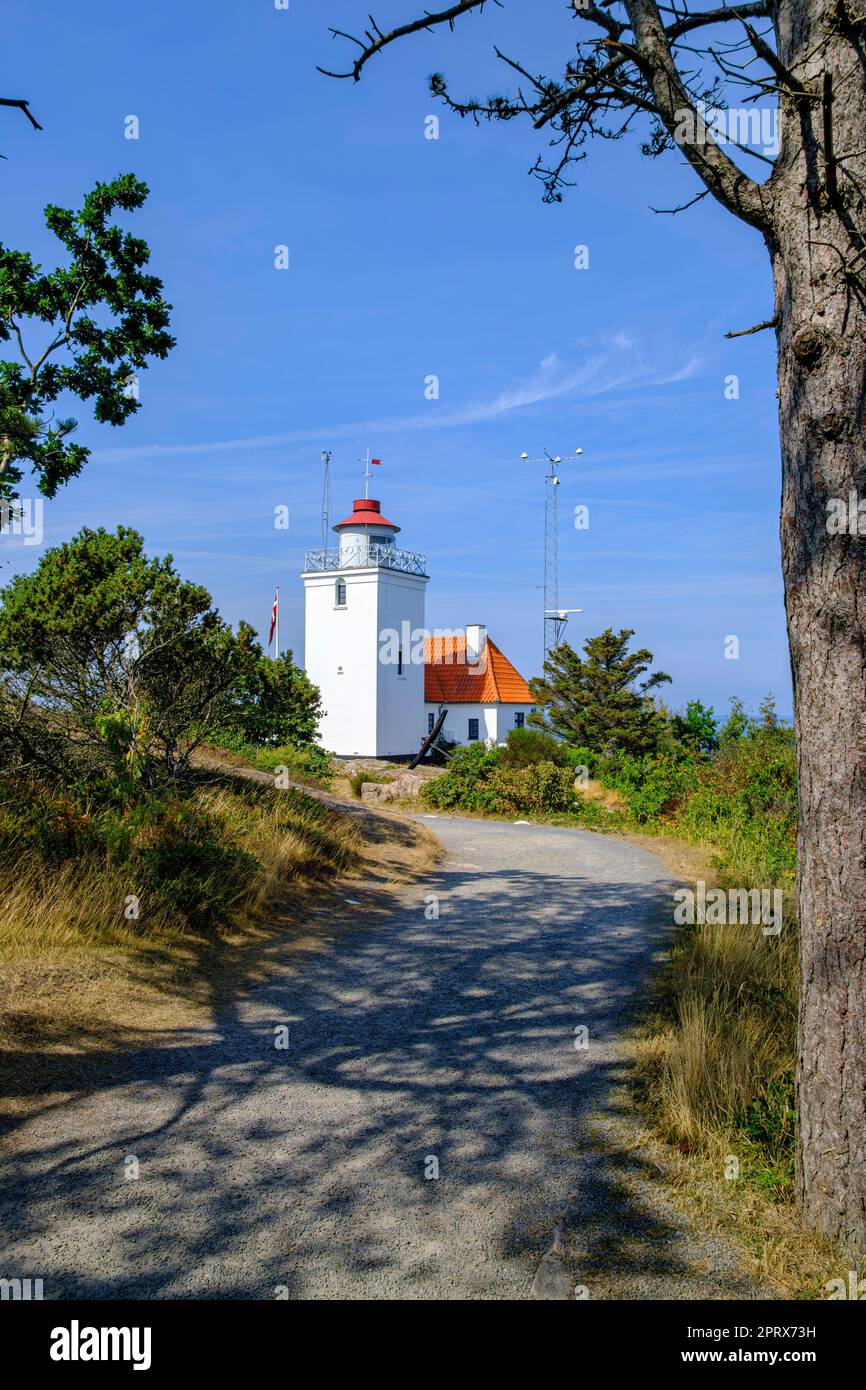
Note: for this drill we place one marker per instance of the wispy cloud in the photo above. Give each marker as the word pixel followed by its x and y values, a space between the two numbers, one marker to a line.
pixel 616 366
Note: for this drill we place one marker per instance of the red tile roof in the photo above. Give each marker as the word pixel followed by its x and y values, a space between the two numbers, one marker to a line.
pixel 450 680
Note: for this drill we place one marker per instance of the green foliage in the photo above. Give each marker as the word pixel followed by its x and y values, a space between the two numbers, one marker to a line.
pixel 697 729
pixel 598 700
pixel 479 779
pixel 769 1127
pixel 111 666
pixel 276 702
pixel 101 311
pixel 745 802
pixel 768 719
pixel 311 763
pixel 737 725
pixel 524 747
pixel 464 785
pixel 651 786
pixel 538 789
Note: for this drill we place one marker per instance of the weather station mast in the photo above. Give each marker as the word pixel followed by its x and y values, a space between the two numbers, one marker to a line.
pixel 555 618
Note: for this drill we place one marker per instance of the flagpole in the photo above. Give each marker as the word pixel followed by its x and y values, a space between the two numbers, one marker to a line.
pixel 277 629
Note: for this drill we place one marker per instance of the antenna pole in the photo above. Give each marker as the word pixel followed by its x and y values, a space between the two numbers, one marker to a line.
pixel 553 626
pixel 366 463
pixel 555 618
pixel 326 495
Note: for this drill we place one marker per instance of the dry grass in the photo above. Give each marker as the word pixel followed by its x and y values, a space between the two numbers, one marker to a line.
pixel 715 1055
pixel 774 1248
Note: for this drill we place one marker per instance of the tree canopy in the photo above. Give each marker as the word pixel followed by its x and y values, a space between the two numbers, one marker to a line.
pixel 84 329
pixel 598 701
pixel 112 666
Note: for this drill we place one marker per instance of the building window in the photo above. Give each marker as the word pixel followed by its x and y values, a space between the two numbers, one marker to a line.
pixel 400 662
pixel 340 593
pixel 431 720
pixel 473 730
pixel 519 719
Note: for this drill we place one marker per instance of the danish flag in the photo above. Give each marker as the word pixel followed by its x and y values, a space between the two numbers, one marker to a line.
pixel 274 616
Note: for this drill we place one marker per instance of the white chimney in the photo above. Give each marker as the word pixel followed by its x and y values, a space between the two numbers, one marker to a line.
pixel 476 642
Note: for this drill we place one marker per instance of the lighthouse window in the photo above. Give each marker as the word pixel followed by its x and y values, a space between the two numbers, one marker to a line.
pixel 340 593
pixel 400 662
pixel 473 730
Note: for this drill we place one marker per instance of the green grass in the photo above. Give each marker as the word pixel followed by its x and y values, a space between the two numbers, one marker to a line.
pixel 311 764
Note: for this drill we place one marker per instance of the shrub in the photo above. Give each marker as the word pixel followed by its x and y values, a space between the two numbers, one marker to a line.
pixel 275 702
pixel 650 786
pixel 479 779
pixel 527 746
pixel 745 802
pixel 312 764
pixel 541 788
pixel 464 785
pixel 697 729
pixel 204 860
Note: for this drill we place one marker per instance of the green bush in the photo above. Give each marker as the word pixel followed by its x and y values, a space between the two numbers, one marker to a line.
pixel 541 788
pixel 479 779
pixel 745 802
pixel 650 786
pixel 275 703
pixel 527 746
pixel 581 757
pixel 312 763
pixel 464 785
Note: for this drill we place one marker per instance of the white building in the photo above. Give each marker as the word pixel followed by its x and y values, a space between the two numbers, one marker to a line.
pixel 384 679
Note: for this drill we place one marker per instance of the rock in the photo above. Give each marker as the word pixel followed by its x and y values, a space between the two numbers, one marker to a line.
pixel 406 787
pixel 376 792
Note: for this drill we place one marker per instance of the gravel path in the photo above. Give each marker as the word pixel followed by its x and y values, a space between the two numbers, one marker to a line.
pixel 415 1046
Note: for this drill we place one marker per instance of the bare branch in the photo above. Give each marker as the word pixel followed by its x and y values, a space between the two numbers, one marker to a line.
pixel 374 42
pixel 627 67
pixel 757 328
pixel 688 22
pixel 22 106
pixel 790 83
pixel 727 183
pixel 672 212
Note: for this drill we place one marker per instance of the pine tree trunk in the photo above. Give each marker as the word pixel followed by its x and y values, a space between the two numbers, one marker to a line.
pixel 820 281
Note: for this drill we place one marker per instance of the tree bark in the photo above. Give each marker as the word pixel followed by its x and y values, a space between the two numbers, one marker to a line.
pixel 815 245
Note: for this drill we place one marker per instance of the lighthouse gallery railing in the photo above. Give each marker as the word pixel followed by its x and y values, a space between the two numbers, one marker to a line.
pixel 386 557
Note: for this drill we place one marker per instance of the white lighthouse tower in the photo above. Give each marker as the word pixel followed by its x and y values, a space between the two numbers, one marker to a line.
pixel 364 602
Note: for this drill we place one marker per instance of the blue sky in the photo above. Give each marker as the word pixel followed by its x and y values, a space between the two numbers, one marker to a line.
pixel 411 257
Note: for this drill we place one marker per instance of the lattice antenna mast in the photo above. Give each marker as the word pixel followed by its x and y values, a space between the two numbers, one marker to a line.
pixel 555 618
pixel 326 496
